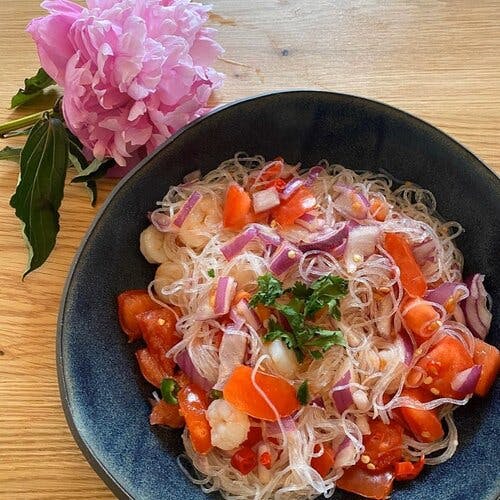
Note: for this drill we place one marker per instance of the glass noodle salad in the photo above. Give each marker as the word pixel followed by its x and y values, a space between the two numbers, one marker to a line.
pixel 310 329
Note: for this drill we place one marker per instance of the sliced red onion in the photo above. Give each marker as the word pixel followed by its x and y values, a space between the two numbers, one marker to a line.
pixel 237 320
pixel 310 221
pixel 345 454
pixel 185 210
pixel 476 311
pixel 465 381
pixel 238 243
pixel 265 199
pixel 183 359
pixel 231 354
pixel 317 401
pixel 192 176
pixel 224 293
pixel 291 187
pixel 160 220
pixel 351 203
pixel 448 295
pixel 285 256
pixel 360 244
pixel 273 429
pixel 424 252
pixel 267 235
pixel 338 252
pixel 342 397
pixel 248 315
pixel 406 347
pixel 327 240
pixel 313 174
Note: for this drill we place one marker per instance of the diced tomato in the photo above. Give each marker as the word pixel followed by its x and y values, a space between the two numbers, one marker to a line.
pixel 158 330
pixel 237 205
pixel 240 391
pixel 279 184
pixel 240 295
pixel 263 312
pixel 254 436
pixel 193 403
pixel 297 205
pixel 150 368
pixel 488 357
pixel 442 363
pixel 244 460
pixel 164 413
pixel 383 445
pixel 218 338
pixel 406 471
pixel 424 424
pixel 360 481
pixel 324 463
pixel 130 304
pixel 412 277
pixel 421 318
pixel 379 209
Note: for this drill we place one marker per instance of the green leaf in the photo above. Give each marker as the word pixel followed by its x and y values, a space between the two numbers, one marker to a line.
pixel 33 87
pixel 39 191
pixel 78 160
pixel 169 389
pixel 11 154
pixel 303 393
pixel 269 290
pixel 326 292
pixel 211 273
pixel 95 170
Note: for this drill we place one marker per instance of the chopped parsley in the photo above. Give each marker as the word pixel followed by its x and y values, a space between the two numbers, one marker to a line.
pixel 211 273
pixel 303 302
pixel 303 393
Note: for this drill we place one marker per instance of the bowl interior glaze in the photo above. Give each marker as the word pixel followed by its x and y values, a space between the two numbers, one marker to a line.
pixel 103 394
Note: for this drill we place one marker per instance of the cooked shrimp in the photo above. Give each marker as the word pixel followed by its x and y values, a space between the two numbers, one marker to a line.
pixel 229 425
pixel 283 359
pixel 165 275
pixel 201 224
pixel 151 245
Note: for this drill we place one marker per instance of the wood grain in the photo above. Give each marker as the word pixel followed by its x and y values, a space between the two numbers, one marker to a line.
pixel 436 59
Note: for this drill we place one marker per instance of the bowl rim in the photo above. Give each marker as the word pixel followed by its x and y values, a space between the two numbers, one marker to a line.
pixel 90 455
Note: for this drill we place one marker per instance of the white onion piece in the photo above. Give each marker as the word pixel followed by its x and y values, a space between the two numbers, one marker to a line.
pixel 238 243
pixel 224 293
pixel 265 199
pixel 232 352
pixel 342 397
pixel 285 256
pixel 291 187
pixel 185 210
pixel 183 359
pixel 273 429
pixel 465 381
pixel 360 244
pixel 477 315
pixel 249 316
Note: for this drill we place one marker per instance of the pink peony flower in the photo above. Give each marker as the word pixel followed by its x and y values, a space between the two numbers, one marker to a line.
pixel 133 71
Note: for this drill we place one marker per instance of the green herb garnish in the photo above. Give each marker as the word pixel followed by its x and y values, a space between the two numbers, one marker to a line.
pixel 303 393
pixel 211 273
pixel 303 337
pixel 169 389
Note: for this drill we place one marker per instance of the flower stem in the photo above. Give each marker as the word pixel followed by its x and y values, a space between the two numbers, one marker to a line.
pixel 20 123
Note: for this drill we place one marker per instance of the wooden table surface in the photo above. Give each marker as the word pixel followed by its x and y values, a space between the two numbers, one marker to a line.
pixel 436 59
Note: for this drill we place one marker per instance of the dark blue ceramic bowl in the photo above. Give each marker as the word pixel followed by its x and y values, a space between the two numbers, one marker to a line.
pixel 105 398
